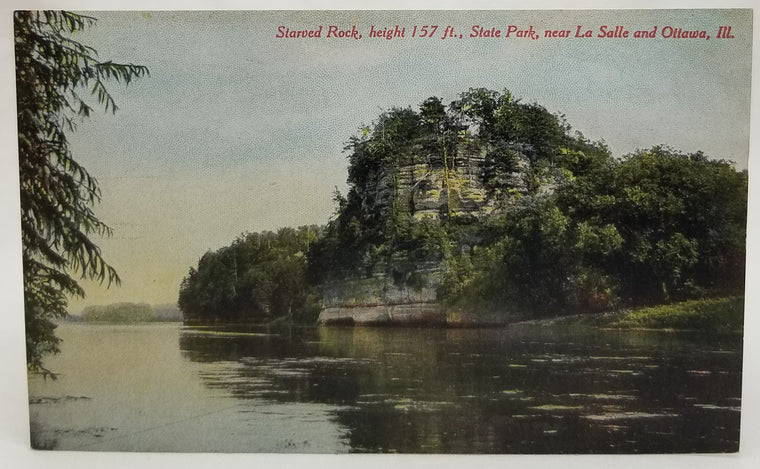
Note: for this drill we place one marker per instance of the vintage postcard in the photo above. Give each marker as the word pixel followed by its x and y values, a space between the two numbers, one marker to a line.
pixel 384 231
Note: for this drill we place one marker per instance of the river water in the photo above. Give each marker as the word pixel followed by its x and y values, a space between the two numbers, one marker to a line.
pixel 522 389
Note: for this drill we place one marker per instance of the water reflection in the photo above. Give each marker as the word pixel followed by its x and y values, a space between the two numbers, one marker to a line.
pixel 517 390
pixel 130 388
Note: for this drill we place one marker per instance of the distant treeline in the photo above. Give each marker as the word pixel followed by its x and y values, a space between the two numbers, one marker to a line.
pixel 570 228
pixel 130 313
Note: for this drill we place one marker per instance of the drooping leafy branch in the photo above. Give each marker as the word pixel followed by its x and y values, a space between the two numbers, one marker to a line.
pixel 54 75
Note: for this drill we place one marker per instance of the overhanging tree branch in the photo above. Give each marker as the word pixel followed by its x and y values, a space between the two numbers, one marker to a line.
pixel 57 192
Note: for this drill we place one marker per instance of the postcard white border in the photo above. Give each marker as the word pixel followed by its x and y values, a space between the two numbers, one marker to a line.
pixel 14 443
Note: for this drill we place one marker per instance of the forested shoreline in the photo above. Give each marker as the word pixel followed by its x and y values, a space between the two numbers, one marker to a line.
pixel 509 211
pixel 127 313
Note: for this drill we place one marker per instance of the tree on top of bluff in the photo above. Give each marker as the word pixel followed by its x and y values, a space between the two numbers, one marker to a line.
pixel 513 138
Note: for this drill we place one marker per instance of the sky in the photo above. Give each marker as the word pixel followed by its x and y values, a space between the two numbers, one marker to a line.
pixel 236 130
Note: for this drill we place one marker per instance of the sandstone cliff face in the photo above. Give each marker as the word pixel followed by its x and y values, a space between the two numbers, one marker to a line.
pixel 422 192
pixel 426 192
pixel 378 299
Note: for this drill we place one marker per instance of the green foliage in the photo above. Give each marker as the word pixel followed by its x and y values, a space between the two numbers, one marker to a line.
pixel 374 230
pixel 57 193
pixel 120 313
pixel 654 227
pixel 260 277
pixel 681 219
pixel 573 229
pixel 722 314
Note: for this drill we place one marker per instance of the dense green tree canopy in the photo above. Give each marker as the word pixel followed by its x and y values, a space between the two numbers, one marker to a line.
pixel 258 278
pixel 586 231
pixel 520 143
pixel 654 227
pixel 572 229
pixel 54 75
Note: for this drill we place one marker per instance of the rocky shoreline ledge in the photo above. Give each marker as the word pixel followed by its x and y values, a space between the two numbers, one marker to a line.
pixel 725 314
pixel 427 314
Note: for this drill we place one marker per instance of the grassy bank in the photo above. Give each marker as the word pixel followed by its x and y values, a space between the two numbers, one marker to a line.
pixel 715 314
pixel 719 314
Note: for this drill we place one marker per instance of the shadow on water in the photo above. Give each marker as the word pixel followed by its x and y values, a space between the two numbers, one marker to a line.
pixel 523 389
